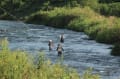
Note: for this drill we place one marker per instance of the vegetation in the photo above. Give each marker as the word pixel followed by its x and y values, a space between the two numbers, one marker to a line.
pixel 22 8
pixel 116 50
pixel 111 9
pixel 19 65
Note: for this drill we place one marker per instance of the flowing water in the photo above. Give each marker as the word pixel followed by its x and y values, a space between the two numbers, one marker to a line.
pixel 79 52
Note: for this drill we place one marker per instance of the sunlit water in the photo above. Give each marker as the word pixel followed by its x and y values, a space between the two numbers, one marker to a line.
pixel 80 53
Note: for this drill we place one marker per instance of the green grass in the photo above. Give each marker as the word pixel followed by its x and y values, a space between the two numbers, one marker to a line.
pixel 19 65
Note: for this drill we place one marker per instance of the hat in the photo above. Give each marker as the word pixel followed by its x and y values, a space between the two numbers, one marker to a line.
pixel 50 40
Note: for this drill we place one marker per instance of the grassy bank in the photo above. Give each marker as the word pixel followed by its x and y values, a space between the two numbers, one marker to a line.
pixel 102 29
pixel 19 65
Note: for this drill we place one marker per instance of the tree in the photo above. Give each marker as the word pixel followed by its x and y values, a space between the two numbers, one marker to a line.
pixel 91 3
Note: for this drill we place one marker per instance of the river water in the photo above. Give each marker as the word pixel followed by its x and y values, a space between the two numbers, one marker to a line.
pixel 79 52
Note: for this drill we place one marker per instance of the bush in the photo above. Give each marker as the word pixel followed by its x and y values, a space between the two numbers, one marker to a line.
pixel 110 9
pixel 6 16
pixel 110 31
pixel 89 3
pixel 109 35
pixel 108 1
pixel 37 18
pixel 93 31
pixel 116 50
pixel 59 17
pixel 106 31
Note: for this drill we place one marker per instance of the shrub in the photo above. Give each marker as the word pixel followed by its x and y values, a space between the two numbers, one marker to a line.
pixel 89 3
pixel 116 50
pixel 6 16
pixel 112 9
pixel 109 35
pixel 110 31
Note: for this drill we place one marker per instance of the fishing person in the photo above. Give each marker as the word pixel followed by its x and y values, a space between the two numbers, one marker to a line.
pixel 62 38
pixel 59 49
pixel 50 44
pixel 3 30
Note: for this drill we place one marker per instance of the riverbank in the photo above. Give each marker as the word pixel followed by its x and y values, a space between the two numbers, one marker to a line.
pixel 102 29
pixel 99 19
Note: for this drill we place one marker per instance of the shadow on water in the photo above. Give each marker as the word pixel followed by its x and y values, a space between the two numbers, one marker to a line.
pixel 80 52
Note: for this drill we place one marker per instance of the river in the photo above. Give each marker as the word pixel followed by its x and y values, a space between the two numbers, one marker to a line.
pixel 79 52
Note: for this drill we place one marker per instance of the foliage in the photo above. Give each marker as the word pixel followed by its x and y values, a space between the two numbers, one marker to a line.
pixel 85 20
pixel 108 1
pixel 59 17
pixel 116 50
pixel 91 3
pixel 110 9
pixel 6 16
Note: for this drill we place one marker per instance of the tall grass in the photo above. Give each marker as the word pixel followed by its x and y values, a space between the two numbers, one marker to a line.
pixel 19 65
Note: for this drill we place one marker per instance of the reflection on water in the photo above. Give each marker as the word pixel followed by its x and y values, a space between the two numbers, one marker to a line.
pixel 79 53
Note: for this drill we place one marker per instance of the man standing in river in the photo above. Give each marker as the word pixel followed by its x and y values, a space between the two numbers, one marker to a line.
pixel 60 49
pixel 62 38
pixel 50 44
